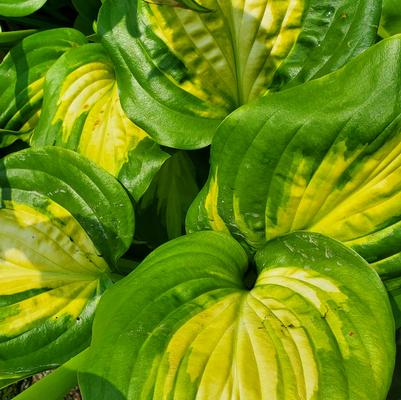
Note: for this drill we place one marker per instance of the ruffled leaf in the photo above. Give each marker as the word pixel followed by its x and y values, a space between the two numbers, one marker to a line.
pixel 316 324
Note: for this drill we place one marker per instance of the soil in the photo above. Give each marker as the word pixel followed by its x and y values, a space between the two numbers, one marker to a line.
pixel 13 390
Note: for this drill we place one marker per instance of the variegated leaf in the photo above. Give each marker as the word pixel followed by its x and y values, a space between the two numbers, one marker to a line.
pixel 181 68
pixel 22 76
pixel 329 164
pixel 317 324
pixel 82 112
pixel 63 224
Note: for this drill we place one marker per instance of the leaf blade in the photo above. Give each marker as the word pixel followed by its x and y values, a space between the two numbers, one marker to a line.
pixel 203 333
pixel 20 8
pixel 82 112
pixel 195 68
pixel 58 242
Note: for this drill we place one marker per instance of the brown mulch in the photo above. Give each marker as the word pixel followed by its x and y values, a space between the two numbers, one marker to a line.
pixel 13 390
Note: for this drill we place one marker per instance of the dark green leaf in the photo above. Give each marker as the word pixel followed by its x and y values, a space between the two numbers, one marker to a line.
pixel 161 211
pixel 390 23
pixel 57 384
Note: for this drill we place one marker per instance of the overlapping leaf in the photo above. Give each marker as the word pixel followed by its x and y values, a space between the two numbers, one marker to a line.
pixel 88 8
pixel 11 38
pixel 87 14
pixel 19 8
pixel 390 23
pixel 323 157
pixel 22 76
pixel 63 222
pixel 317 324
pixel 162 209
pixel 181 68
pixel 82 111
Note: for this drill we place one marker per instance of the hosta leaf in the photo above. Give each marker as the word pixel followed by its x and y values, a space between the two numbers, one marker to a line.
pixel 395 390
pixel 22 75
pixel 162 209
pixel 181 68
pixel 82 112
pixel 87 14
pixel 328 164
pixel 62 221
pixel 88 8
pixel 19 8
pixel 390 23
pixel 7 382
pixel 316 325
pixel 9 137
pixel 10 39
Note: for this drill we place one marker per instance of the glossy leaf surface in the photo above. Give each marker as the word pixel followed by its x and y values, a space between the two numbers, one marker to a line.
pixel 182 68
pixel 22 76
pixel 63 222
pixel 82 112
pixel 316 325
pixel 328 164
pixel 19 8
pixel 11 38
pixel 390 23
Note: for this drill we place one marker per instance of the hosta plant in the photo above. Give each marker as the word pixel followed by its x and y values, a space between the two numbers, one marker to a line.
pixel 330 165
pixel 316 324
pixel 64 224
pixel 287 284
pixel 186 64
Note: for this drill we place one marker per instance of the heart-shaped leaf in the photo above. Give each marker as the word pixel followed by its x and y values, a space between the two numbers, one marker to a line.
pixel 328 164
pixel 62 221
pixel 316 325
pixel 22 76
pixel 181 68
pixel 82 112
